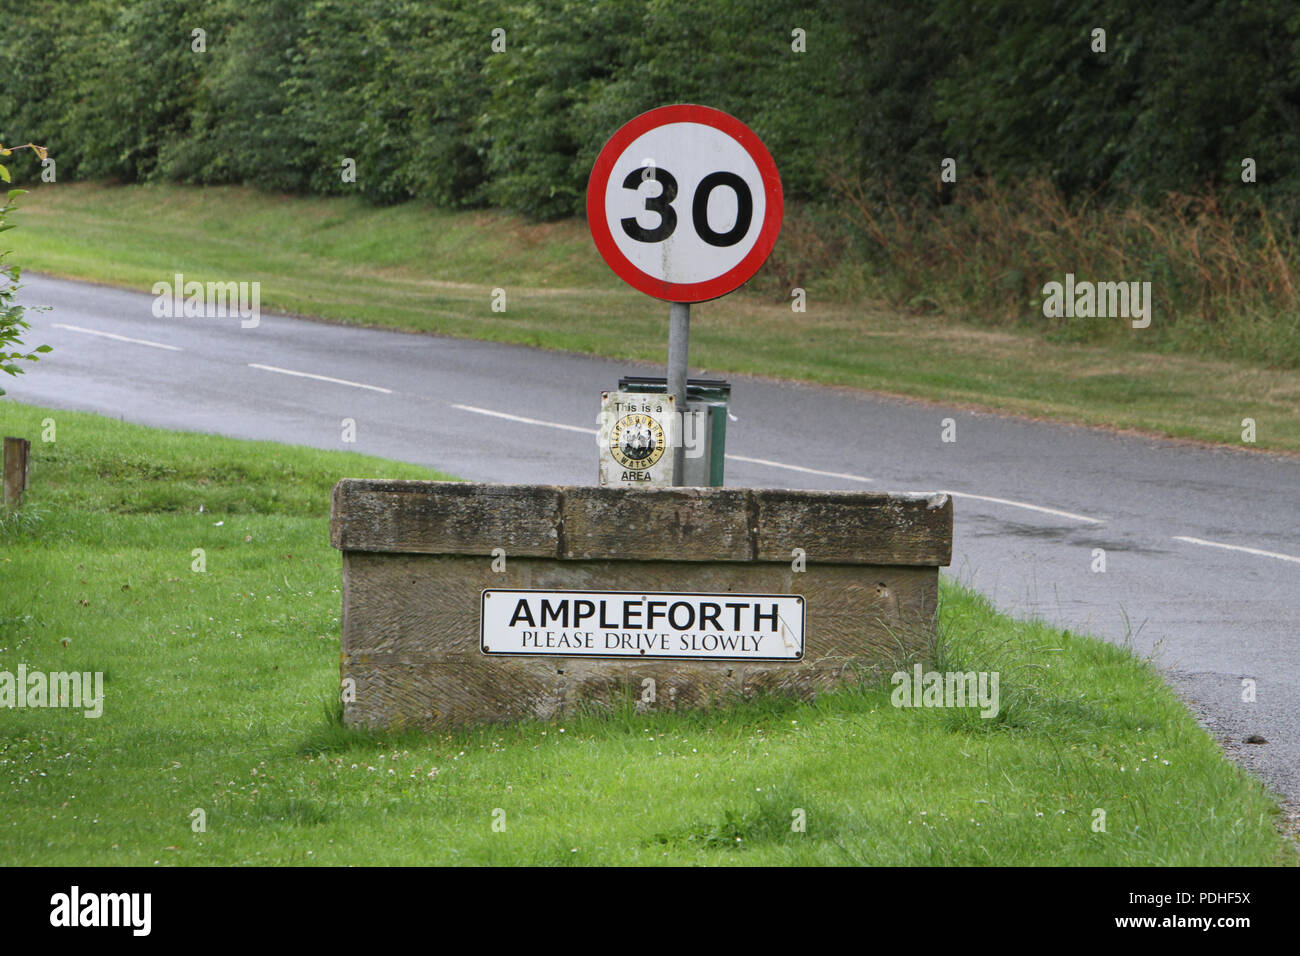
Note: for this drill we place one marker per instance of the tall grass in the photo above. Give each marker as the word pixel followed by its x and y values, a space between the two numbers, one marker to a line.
pixel 1222 275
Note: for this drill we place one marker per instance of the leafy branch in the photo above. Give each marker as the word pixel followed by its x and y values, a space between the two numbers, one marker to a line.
pixel 12 323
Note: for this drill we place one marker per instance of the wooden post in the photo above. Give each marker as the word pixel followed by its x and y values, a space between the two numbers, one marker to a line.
pixel 15 475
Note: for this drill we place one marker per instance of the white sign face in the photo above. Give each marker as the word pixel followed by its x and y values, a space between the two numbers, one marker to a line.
pixel 684 203
pixel 638 433
pixel 688 181
pixel 642 624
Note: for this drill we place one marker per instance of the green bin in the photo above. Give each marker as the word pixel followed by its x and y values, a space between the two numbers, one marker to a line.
pixel 709 395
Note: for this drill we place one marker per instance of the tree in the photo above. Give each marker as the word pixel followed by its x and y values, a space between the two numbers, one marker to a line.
pixel 12 324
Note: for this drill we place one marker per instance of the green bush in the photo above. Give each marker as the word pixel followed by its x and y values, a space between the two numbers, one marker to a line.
pixel 413 91
pixel 12 323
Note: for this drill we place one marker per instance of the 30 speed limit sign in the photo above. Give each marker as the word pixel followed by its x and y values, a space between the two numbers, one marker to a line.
pixel 684 203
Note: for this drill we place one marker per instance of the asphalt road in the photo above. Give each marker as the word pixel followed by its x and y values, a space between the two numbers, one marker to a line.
pixel 1202 545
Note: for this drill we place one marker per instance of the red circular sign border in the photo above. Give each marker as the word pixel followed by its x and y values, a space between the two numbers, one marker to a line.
pixel 623 267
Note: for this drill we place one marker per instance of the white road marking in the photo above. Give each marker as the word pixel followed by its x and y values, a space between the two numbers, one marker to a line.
pixel 526 421
pixel 320 378
pixel 1023 504
pixel 595 431
pixel 810 471
pixel 120 338
pixel 1055 512
pixel 1238 547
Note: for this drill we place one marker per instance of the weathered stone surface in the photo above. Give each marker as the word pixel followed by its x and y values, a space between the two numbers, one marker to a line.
pixel 444 517
pixel 854 527
pixel 666 524
pixel 678 524
pixel 417 556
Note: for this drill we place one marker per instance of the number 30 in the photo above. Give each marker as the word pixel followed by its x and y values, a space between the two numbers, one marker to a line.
pixel 662 205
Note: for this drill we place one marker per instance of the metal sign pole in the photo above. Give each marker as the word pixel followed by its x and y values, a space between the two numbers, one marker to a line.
pixel 679 333
pixel 652 442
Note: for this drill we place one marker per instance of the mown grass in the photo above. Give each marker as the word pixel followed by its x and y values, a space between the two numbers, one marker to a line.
pixel 416 267
pixel 221 696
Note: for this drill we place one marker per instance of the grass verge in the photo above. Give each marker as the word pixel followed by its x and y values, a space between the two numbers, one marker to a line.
pixel 422 269
pixel 220 694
